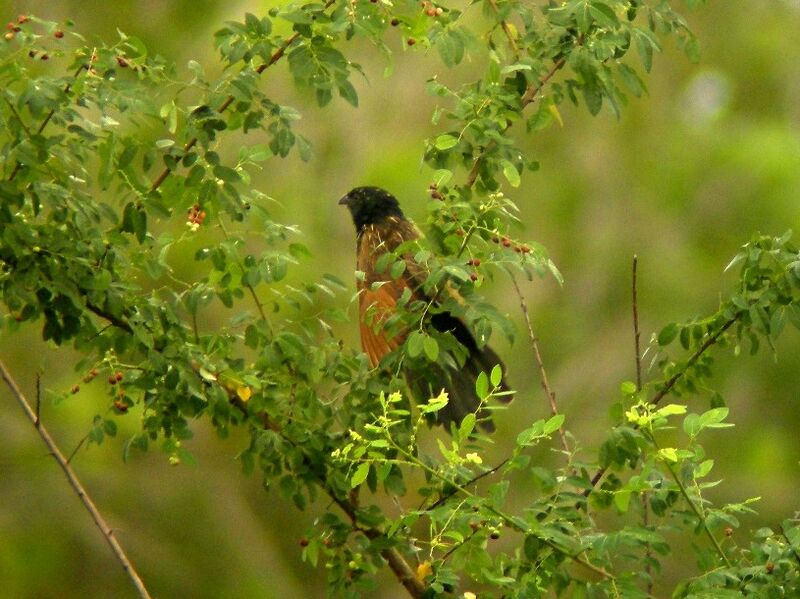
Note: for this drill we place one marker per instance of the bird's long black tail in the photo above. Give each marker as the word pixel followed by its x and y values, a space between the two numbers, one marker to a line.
pixel 459 382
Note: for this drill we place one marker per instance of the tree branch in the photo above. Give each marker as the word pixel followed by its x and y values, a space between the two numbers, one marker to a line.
pixel 527 98
pixel 67 87
pixel 76 485
pixel 671 383
pixel 551 396
pixel 695 356
pixel 275 57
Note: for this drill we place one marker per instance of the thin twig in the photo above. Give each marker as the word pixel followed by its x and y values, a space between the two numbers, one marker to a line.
pixel 527 98
pixel 695 356
pixel 636 332
pixel 76 485
pixel 38 398
pixel 506 29
pixel 671 383
pixel 472 481
pixel 551 396
pixel 275 57
pixel 648 551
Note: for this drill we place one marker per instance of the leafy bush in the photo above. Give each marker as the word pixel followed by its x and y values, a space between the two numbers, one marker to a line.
pixel 117 170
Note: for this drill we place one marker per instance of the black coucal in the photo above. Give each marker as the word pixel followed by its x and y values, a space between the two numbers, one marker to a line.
pixel 380 228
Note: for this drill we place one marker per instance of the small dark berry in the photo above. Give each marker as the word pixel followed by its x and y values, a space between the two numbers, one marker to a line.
pixel 506 242
pixel 476 261
pixel 460 232
pixel 473 277
pixel 118 375
pixel 23 19
pixel 112 380
pixel 304 542
pixel 496 239
pixel 58 34
pixel 410 41
pixel 122 62
pixel 75 389
pixel 474 525
pixel 518 249
pixel 494 535
pixel 395 22
pixel 45 56
pixel 32 54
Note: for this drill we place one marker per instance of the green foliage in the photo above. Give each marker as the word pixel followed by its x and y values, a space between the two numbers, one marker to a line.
pixel 99 167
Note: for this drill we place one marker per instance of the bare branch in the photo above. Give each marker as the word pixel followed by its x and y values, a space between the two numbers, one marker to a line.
pixel 636 333
pixel 76 485
pixel 551 396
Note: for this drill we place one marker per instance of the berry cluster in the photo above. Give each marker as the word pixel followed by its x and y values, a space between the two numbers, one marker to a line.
pixel 14 27
pixel 433 188
pixel 195 217
pixel 430 9
pixel 506 243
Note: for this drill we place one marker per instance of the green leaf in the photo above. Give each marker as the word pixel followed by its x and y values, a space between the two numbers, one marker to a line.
pixel 668 334
pixel 360 475
pixel 496 376
pixel 553 424
pixel 511 173
pixel 622 499
pixel 482 386
pixel 445 142
pixel 431 348
pixel 415 344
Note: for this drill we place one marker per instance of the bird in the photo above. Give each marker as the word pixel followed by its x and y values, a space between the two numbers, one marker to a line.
pixel 381 228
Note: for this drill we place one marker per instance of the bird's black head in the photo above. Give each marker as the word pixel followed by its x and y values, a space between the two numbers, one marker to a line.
pixel 370 205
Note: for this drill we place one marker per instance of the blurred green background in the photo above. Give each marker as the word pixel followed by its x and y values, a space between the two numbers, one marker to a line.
pixel 710 155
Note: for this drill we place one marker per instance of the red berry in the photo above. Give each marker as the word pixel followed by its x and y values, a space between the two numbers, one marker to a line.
pixel 506 242
pixel 45 56
pixel 23 19
pixel 120 406
pixel 118 375
pixel 476 261
pixel 411 41
pixel 431 12
pixel 473 277
pixel 122 62
pixel 304 542
pixel 112 380
pixel 58 34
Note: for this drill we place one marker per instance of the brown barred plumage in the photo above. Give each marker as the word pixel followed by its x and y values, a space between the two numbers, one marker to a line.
pixel 381 228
